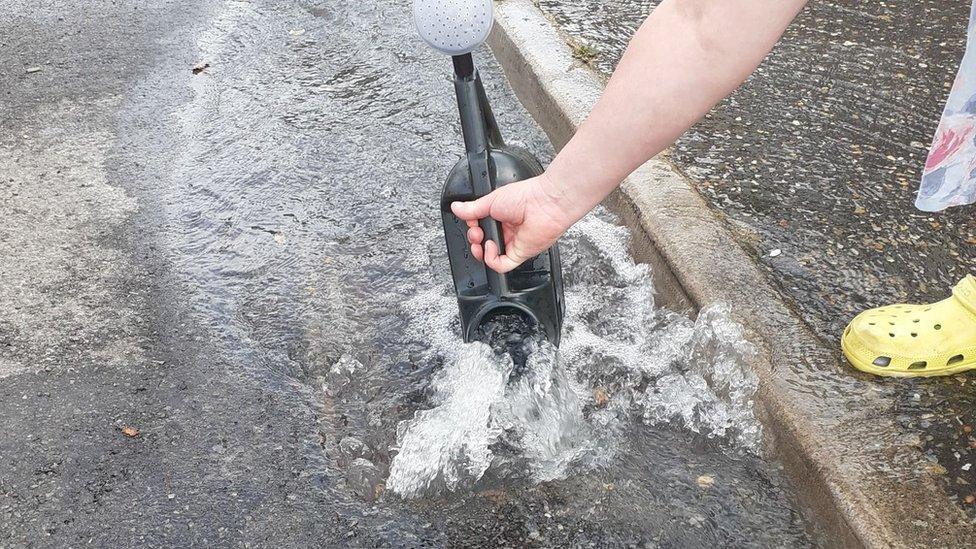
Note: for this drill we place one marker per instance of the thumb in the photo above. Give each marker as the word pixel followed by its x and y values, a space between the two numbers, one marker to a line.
pixel 501 263
pixel 474 210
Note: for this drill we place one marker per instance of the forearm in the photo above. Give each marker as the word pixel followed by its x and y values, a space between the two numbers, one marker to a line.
pixel 686 57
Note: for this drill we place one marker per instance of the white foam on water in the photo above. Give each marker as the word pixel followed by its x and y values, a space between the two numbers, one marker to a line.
pixel 447 445
pixel 622 363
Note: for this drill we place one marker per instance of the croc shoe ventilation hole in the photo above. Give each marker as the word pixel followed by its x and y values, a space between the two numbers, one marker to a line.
pixel 882 361
pixel 920 365
pixel 955 360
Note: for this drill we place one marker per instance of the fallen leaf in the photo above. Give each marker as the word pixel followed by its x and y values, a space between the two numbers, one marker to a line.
pixel 705 481
pixel 130 431
pixel 970 499
pixel 860 211
pixel 495 496
pixel 200 67
pixel 600 397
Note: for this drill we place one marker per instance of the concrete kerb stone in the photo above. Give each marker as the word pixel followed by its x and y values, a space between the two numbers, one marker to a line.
pixel 696 262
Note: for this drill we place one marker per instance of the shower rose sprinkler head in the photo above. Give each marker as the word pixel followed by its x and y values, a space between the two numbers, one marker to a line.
pixel 453 27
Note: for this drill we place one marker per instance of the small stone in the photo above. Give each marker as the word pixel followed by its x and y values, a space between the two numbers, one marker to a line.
pixel 130 431
pixel 32 70
pixel 775 252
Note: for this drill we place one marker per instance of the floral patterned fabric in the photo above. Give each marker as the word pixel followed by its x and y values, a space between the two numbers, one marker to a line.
pixel 949 178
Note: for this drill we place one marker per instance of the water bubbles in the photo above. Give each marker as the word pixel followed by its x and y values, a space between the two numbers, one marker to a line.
pixel 343 374
pixel 364 479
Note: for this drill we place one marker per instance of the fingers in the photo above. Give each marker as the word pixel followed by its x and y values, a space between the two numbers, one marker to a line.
pixel 474 210
pixel 482 250
pixel 475 236
pixel 498 263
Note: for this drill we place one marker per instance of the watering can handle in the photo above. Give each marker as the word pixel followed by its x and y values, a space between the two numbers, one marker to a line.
pixel 480 134
pixel 480 170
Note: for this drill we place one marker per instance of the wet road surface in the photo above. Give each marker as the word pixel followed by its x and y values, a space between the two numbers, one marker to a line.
pixel 227 318
pixel 814 163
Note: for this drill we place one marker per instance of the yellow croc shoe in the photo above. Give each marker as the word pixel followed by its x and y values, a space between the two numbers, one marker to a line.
pixel 916 340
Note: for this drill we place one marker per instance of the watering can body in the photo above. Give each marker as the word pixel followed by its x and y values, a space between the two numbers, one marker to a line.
pixel 535 288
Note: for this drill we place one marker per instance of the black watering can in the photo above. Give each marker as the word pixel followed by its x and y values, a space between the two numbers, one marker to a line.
pixel 535 288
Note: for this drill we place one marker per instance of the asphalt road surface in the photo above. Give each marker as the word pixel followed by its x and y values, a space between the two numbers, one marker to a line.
pixel 211 216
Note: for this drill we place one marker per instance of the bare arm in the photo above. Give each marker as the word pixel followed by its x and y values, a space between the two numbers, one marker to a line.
pixel 687 56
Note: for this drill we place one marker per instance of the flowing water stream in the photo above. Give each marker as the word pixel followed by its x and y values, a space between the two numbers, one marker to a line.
pixel 302 218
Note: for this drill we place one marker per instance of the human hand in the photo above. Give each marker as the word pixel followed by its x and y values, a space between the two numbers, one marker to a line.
pixel 532 219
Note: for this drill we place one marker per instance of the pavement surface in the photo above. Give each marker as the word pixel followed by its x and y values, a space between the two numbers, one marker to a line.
pixel 189 245
pixel 814 164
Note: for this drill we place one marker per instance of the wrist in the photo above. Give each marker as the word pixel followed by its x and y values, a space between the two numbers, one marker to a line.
pixel 570 189
pixel 563 200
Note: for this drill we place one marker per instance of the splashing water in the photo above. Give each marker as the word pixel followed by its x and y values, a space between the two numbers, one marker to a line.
pixel 623 362
pixel 449 444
